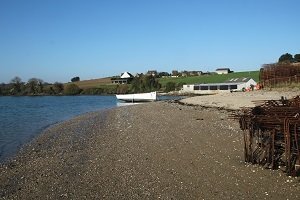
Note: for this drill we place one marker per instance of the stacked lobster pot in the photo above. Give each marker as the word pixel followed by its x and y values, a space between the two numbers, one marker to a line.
pixel 272 134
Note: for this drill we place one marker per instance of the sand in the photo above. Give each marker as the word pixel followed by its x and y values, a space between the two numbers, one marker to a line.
pixel 160 150
pixel 237 100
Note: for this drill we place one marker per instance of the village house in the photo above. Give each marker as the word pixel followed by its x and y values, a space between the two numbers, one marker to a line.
pixel 223 71
pixel 152 73
pixel 191 73
pixel 125 78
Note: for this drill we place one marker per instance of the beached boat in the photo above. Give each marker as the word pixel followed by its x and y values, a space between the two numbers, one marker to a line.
pixel 138 97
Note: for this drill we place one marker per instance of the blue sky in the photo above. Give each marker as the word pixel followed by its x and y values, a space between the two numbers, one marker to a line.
pixel 55 40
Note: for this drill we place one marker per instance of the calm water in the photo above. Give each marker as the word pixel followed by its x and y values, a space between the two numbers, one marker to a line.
pixel 22 118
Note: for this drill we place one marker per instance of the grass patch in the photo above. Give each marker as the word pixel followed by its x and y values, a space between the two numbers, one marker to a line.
pixel 215 78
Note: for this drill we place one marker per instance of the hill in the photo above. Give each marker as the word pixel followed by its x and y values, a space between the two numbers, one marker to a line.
pixel 214 78
pixel 105 85
pixel 93 83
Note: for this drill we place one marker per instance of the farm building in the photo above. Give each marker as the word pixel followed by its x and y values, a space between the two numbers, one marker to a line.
pixel 223 71
pixel 234 84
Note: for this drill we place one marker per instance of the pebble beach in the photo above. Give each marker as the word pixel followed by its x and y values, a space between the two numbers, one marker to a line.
pixel 159 150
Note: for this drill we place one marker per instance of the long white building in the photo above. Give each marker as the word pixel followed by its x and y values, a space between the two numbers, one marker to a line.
pixel 234 84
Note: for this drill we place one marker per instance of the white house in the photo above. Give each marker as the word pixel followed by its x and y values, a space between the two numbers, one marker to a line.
pixel 234 84
pixel 125 78
pixel 126 75
pixel 223 71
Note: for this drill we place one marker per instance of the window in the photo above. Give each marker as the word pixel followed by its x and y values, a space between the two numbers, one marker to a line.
pixel 232 87
pixel 196 87
pixel 213 87
pixel 204 87
pixel 223 87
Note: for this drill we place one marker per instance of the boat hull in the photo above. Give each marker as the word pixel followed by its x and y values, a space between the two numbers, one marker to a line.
pixel 138 97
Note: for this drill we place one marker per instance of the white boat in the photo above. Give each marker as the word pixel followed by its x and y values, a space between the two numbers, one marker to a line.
pixel 138 97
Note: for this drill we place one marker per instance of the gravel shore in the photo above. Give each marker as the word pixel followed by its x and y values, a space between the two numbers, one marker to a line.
pixel 158 150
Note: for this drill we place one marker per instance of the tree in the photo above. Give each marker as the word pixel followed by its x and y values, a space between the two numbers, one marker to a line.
pixel 5 89
pixel 297 57
pixel 17 84
pixel 175 73
pixel 75 79
pixel 286 58
pixel 170 86
pixel 144 84
pixel 58 87
pixel 35 86
pixel 161 74
pixel 180 85
pixel 72 89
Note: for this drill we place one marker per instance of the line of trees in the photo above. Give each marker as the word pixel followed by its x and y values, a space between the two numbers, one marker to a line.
pixel 287 57
pixel 37 87
pixel 33 86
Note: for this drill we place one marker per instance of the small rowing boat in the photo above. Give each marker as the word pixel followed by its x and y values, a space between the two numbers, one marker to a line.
pixel 138 97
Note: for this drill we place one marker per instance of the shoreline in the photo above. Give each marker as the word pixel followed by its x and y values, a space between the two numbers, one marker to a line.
pixel 237 100
pixel 149 151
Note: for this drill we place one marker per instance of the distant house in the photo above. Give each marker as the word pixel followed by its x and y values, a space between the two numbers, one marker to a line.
pixel 126 75
pixel 125 78
pixel 234 84
pixel 175 73
pixel 152 73
pixel 196 73
pixel 191 73
pixel 223 71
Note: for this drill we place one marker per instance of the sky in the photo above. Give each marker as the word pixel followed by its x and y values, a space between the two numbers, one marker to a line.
pixel 56 40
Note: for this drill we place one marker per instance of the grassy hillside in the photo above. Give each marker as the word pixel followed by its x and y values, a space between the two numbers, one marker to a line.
pixel 93 83
pixel 216 78
pixel 106 85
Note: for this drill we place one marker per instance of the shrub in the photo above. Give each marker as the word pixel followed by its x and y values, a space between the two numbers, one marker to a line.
pixel 72 89
pixel 170 86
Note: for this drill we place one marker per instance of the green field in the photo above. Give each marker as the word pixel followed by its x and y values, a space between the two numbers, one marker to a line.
pixel 215 78
pixel 106 85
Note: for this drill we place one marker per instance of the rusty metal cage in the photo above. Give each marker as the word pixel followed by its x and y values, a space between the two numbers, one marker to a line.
pixel 272 134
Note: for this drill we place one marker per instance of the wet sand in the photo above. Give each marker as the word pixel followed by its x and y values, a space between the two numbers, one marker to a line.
pixel 159 150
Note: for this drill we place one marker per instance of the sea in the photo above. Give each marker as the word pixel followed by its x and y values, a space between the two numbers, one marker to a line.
pixel 24 117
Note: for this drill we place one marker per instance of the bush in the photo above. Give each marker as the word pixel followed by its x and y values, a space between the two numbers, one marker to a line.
pixel 180 85
pixel 72 89
pixel 122 89
pixel 170 86
pixel 58 87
